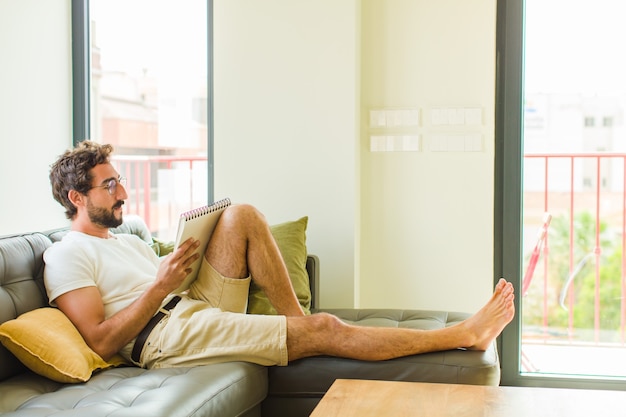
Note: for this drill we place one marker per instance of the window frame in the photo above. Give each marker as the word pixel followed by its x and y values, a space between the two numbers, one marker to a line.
pixel 81 85
pixel 80 71
pixel 508 197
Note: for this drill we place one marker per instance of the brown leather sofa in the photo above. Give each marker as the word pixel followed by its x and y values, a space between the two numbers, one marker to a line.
pixel 229 389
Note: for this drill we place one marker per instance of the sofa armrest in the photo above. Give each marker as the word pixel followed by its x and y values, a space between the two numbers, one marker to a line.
pixel 313 269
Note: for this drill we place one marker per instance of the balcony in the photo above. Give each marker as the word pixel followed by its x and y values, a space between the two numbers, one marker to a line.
pixel 574 308
pixel 161 187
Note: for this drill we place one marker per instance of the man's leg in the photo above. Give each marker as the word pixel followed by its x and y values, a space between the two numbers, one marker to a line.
pixel 323 334
pixel 242 244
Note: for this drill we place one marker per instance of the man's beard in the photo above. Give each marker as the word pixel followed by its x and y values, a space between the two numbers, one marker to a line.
pixel 104 217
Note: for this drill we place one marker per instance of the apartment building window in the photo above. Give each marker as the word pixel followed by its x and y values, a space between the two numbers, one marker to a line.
pixel 590 121
pixel 143 83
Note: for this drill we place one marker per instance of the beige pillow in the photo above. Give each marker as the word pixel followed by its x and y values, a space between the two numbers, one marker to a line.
pixel 47 342
pixel 291 240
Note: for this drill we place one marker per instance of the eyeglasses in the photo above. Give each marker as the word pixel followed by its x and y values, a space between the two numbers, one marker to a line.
pixel 111 185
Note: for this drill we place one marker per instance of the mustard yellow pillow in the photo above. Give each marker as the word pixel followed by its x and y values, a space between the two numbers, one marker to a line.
pixel 291 239
pixel 47 342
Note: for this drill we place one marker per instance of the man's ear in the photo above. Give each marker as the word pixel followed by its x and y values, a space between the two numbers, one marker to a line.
pixel 75 197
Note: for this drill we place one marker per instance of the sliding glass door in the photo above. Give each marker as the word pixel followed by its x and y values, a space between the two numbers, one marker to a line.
pixel 562 75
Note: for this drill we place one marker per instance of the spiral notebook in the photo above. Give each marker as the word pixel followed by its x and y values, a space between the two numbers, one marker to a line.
pixel 199 224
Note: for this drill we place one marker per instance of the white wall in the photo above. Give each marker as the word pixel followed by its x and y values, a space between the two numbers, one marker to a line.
pixel 35 109
pixel 286 121
pixel 427 217
pixel 294 84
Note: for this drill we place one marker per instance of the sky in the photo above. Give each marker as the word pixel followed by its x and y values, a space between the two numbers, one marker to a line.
pixel 575 46
pixel 164 36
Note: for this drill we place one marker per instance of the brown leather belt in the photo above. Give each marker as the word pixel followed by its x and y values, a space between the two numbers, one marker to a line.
pixel 140 341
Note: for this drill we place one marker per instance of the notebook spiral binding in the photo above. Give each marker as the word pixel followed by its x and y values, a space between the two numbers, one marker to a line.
pixel 201 211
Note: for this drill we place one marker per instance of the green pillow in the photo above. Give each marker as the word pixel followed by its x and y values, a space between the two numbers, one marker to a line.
pixel 291 240
pixel 162 248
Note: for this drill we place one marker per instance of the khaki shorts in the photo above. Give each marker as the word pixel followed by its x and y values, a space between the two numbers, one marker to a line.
pixel 209 325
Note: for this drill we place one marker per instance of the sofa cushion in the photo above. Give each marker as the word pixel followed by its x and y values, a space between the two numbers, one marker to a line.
pixel 47 342
pixel 291 240
pixel 228 389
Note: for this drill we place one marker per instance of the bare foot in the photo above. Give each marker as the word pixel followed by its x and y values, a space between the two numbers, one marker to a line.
pixel 489 321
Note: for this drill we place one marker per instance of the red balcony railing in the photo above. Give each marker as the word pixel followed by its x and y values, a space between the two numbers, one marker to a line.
pixel 161 187
pixel 579 287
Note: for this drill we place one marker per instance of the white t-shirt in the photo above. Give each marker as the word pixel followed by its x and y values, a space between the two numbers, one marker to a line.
pixel 121 267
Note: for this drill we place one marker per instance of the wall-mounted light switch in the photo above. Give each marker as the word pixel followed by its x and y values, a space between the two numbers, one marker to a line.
pixel 474 116
pixel 394 143
pixel 378 118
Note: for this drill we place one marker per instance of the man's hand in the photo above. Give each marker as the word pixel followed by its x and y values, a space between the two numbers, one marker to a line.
pixel 175 267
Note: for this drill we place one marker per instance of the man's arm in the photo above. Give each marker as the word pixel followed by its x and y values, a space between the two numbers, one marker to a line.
pixel 106 337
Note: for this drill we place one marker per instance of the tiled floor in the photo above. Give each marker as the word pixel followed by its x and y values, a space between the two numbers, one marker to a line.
pixel 576 360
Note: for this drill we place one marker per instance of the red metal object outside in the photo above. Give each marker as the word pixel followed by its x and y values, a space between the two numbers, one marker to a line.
pixel 575 159
pixel 139 170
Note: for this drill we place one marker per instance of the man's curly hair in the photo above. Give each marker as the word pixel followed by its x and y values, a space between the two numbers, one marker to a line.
pixel 72 171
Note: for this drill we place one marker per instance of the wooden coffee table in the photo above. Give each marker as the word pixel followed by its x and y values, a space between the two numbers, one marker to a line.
pixel 362 398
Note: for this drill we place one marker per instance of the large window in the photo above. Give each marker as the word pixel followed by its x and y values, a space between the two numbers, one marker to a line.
pixel 560 169
pixel 142 82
